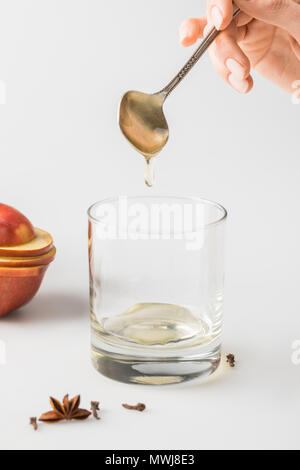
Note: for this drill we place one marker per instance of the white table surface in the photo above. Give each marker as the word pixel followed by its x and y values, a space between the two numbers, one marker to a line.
pixel 256 405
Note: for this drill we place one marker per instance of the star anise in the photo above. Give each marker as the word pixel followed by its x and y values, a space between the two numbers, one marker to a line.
pixel 67 411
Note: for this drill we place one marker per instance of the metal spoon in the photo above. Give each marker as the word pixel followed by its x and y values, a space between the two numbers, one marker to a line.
pixel 142 118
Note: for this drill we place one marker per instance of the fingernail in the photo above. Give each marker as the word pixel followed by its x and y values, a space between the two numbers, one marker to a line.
pixel 207 29
pixel 183 33
pixel 239 85
pixel 236 69
pixel 217 17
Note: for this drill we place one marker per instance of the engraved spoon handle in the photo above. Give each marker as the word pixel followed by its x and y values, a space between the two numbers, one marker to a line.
pixel 207 41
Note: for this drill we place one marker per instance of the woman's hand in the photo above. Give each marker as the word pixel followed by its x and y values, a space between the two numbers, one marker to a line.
pixel 265 36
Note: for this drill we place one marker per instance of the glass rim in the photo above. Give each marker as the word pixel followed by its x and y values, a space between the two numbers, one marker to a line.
pixel 194 199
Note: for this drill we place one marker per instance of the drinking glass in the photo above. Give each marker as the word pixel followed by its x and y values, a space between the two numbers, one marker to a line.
pixel 156 287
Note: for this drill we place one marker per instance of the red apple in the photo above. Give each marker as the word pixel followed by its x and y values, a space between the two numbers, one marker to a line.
pixel 18 286
pixel 15 228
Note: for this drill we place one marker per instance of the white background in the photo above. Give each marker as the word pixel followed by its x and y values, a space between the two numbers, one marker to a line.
pixel 66 64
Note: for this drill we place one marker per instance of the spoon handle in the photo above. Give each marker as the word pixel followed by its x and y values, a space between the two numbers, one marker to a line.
pixel 207 41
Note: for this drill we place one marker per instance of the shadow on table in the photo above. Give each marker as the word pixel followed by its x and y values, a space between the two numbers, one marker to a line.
pixel 49 307
pixel 223 374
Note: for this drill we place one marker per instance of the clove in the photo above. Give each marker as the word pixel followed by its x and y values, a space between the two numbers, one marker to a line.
pixel 138 407
pixel 231 360
pixel 33 423
pixel 95 408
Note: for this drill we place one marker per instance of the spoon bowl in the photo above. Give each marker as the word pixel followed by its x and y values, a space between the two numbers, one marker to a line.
pixel 143 122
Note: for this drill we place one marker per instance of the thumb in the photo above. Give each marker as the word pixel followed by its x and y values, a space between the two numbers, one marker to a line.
pixel 282 13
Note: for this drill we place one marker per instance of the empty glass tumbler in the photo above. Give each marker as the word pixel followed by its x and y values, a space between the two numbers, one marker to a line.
pixel 156 288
